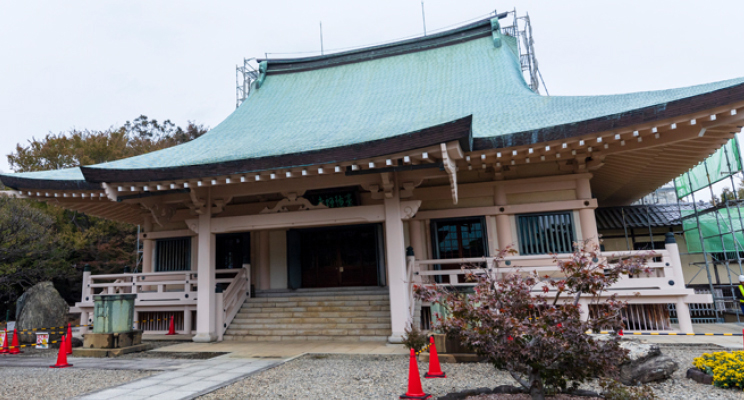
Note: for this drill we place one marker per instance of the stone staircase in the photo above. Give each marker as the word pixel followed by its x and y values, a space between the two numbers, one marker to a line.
pixel 341 315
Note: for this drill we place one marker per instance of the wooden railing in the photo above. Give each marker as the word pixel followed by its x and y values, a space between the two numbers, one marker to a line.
pixel 170 292
pixel 177 286
pixel 649 292
pixel 662 279
pixel 230 301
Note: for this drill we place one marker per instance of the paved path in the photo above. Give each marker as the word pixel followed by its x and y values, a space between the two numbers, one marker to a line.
pixel 185 383
pixel 148 364
pixel 282 349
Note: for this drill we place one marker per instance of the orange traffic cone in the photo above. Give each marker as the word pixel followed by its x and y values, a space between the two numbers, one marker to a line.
pixel 620 333
pixel 62 355
pixel 415 391
pixel 15 347
pixel 171 328
pixel 435 371
pixel 68 348
pixel 5 350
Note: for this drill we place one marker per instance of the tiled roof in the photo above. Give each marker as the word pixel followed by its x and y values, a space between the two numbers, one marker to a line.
pixel 641 216
pixel 379 96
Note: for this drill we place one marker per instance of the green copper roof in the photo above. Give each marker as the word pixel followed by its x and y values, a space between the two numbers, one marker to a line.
pixel 378 98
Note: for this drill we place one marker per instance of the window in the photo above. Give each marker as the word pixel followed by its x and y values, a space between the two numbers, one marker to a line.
pixel 173 254
pixel 545 233
pixel 460 238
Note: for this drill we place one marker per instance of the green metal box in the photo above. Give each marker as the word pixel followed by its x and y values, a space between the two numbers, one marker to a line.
pixel 113 313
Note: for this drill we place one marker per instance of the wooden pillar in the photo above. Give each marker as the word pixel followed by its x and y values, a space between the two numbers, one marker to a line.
pixel 148 247
pixel 264 262
pixel 187 321
pixel 587 219
pixel 396 266
pixel 503 224
pixel 205 308
pixel 148 250
pixel 683 311
pixel 417 242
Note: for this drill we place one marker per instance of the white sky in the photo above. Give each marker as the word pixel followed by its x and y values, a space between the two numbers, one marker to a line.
pixel 94 64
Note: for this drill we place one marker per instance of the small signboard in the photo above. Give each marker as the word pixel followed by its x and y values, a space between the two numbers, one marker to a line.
pixel 42 340
pixel 2 339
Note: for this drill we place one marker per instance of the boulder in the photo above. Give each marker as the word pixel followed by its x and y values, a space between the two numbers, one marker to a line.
pixel 42 308
pixel 699 376
pixel 645 364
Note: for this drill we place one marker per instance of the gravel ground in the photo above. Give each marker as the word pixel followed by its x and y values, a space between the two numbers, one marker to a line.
pixel 385 377
pixel 52 353
pixel 52 384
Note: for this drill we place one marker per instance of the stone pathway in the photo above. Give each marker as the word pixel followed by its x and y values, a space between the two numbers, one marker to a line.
pixel 147 364
pixel 186 383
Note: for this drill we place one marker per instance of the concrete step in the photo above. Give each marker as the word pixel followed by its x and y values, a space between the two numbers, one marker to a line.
pixel 313 309
pixel 309 332
pixel 317 314
pixel 324 292
pixel 303 326
pixel 343 315
pixel 297 338
pixel 341 320
pixel 350 297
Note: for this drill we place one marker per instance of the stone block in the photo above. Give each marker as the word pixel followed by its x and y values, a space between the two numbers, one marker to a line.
pixel 98 341
pixel 699 376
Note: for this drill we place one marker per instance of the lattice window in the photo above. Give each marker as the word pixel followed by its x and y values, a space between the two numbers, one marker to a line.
pixel 173 254
pixel 545 233
pixel 460 238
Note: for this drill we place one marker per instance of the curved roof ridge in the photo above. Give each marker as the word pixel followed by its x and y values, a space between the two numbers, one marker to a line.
pixel 448 37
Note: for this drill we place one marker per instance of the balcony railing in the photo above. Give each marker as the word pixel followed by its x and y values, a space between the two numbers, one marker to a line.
pixel 663 285
pixel 170 292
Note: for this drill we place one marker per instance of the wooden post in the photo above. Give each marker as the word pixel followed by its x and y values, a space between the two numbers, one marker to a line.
pixel 396 264
pixel 205 309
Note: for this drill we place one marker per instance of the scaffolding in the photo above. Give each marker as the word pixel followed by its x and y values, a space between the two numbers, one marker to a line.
pixel 715 228
pixel 521 29
pixel 244 76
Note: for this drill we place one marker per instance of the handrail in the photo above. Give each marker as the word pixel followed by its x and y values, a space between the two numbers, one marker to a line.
pixel 232 299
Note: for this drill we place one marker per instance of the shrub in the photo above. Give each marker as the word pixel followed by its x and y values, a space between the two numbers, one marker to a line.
pixel 727 368
pixel 531 325
pixel 414 338
pixel 614 390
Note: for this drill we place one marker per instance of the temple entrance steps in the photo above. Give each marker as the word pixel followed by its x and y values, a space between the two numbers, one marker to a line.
pixel 338 314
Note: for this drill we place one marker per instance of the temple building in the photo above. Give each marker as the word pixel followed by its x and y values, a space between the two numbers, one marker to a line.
pixel 344 179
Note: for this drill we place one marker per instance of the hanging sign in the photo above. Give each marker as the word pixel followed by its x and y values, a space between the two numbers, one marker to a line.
pixel 334 199
pixel 42 340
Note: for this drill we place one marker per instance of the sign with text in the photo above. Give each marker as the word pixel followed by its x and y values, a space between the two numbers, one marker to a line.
pixel 334 199
pixel 42 340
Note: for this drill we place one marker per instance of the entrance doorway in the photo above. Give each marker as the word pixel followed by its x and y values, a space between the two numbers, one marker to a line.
pixel 233 250
pixel 335 256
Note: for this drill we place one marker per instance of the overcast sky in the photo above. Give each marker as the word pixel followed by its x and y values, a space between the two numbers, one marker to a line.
pixel 95 64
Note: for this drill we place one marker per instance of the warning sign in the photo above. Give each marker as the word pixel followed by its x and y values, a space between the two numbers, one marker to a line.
pixel 42 340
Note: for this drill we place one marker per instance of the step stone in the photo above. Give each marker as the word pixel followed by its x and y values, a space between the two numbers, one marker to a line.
pixel 312 316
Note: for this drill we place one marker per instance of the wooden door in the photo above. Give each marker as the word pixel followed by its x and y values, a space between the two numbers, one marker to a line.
pixel 339 256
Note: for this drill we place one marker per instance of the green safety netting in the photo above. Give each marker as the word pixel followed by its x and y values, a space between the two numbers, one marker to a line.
pixel 717 234
pixel 715 168
pixel 718 229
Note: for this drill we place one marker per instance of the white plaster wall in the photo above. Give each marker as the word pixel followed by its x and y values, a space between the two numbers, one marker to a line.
pixel 278 259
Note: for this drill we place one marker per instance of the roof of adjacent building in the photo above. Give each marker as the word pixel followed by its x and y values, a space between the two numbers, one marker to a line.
pixel 640 216
pixel 453 85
